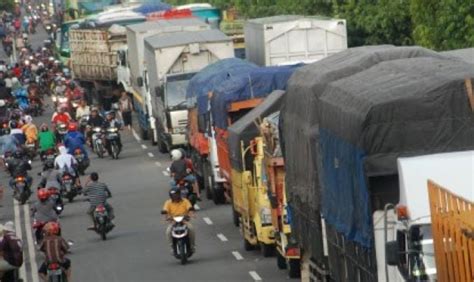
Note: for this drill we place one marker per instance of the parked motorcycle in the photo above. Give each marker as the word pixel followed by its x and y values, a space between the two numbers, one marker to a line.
pixel 22 191
pixel 112 136
pixel 97 142
pixel 82 162
pixel 181 241
pixel 68 187
pixel 103 224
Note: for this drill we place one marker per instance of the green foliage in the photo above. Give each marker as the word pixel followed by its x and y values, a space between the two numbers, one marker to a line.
pixel 436 24
pixel 443 24
pixel 7 5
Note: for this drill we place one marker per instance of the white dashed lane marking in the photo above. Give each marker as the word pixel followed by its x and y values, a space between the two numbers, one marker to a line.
pixel 255 276
pixel 237 255
pixel 222 237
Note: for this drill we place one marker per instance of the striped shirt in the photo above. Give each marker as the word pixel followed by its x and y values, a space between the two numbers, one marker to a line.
pixel 97 193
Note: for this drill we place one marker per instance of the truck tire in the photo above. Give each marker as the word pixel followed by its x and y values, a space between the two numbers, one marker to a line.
pixel 218 194
pixel 281 261
pixel 294 268
pixel 267 250
pixel 235 217
pixel 247 246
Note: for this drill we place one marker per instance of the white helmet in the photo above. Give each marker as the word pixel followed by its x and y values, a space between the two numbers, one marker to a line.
pixel 176 155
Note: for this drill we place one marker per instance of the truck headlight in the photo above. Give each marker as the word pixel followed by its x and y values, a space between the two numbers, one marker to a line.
pixel 266 216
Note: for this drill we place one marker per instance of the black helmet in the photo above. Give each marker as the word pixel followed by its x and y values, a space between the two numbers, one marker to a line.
pixel 13 124
pixel 175 193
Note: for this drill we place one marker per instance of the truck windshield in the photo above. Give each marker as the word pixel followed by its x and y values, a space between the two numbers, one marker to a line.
pixel 176 90
pixel 421 259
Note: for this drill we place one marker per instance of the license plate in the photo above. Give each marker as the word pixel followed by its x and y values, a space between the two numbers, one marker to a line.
pixel 55 272
pixel 68 181
pixel 20 184
pixel 81 156
pixel 112 135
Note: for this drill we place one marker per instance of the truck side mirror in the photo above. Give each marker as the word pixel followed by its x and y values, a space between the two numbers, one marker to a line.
pixel 392 253
pixel 140 81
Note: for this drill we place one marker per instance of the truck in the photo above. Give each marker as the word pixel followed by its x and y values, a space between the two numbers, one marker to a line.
pixel 230 102
pixel 94 47
pixel 287 250
pixel 416 234
pixel 201 135
pixel 172 60
pixel 233 27
pixel 134 65
pixel 453 243
pixel 246 154
pixel 287 39
pixel 342 134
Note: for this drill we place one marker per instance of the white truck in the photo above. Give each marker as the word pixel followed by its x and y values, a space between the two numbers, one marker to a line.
pixel 281 40
pixel 172 60
pixel 132 65
pixel 405 249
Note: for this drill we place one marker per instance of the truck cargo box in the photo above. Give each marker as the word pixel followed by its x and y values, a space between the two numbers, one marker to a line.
pixel 290 39
pixel 137 33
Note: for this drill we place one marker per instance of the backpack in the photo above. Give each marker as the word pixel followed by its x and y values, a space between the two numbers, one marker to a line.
pixel 12 249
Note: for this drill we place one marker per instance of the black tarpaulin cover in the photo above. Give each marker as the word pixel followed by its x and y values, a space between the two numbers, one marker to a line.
pixel 365 107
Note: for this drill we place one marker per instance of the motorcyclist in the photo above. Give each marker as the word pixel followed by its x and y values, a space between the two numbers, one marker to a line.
pixel 30 130
pixel 73 92
pixel 178 206
pixel 75 140
pixel 82 110
pixel 50 177
pixel 17 132
pixel 19 166
pixel 46 139
pixel 111 121
pixel 43 210
pixel 97 193
pixel 181 168
pixel 65 162
pixel 95 120
pixel 55 248
pixel 61 116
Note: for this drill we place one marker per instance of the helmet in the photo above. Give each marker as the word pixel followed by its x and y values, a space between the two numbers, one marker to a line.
pixel 175 193
pixel 43 194
pixel 44 127
pixel 13 124
pixel 72 127
pixel 52 228
pixel 72 84
pixel 176 155
pixel 49 165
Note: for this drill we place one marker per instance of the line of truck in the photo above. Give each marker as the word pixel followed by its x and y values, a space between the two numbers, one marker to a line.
pixel 306 139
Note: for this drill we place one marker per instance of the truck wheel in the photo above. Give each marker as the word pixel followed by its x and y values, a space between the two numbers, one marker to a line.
pixel 281 261
pixel 235 217
pixel 247 246
pixel 267 250
pixel 218 195
pixel 294 268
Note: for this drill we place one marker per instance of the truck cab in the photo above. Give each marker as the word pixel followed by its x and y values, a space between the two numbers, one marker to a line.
pixel 407 252
pixel 123 69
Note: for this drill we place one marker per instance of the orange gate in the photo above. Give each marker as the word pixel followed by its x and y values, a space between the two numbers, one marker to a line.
pixel 452 220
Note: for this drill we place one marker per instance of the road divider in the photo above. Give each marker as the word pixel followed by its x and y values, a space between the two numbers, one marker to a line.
pixel 31 244
pixel 19 234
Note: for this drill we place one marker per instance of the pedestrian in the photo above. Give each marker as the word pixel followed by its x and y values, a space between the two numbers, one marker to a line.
pixel 125 104
pixel 11 252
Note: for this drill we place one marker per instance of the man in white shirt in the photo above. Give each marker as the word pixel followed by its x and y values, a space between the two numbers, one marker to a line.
pixel 82 110
pixel 65 162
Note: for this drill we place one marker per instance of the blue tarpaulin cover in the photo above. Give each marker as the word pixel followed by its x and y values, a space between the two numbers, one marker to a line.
pixel 151 7
pixel 212 76
pixel 257 83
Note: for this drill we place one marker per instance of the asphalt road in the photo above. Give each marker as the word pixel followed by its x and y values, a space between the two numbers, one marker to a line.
pixel 136 250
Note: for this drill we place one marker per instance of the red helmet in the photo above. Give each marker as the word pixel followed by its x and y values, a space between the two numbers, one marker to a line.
pixel 43 194
pixel 52 228
pixel 72 127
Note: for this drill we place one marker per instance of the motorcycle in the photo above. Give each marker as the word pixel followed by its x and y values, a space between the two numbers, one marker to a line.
pixel 21 188
pixel 112 136
pixel 55 195
pixel 48 159
pixel 103 225
pixel 68 187
pixel 56 273
pixel 30 149
pixel 35 108
pixel 97 143
pixel 61 129
pixel 181 241
pixel 83 123
pixel 82 162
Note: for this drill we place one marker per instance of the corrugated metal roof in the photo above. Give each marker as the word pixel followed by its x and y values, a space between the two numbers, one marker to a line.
pixel 187 37
pixel 285 18
pixel 142 27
